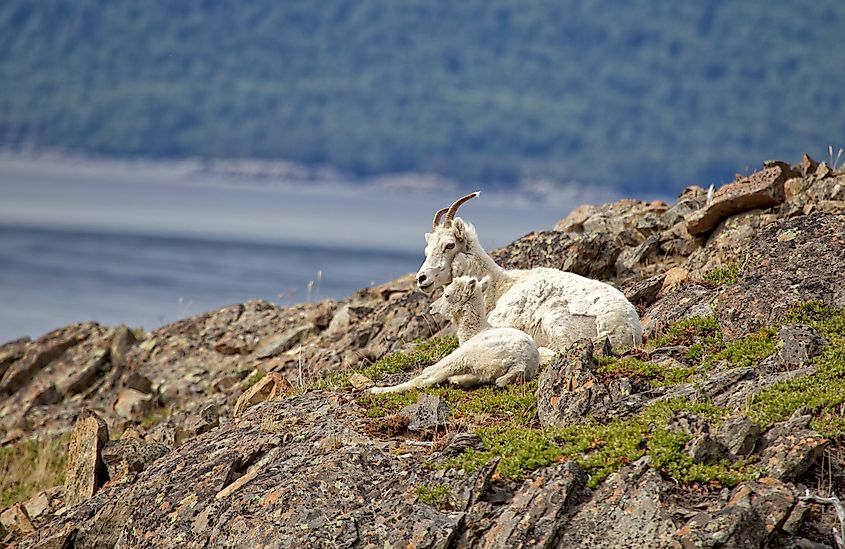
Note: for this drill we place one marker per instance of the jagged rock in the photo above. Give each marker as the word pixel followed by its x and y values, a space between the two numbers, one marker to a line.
pixel 121 342
pixel 739 435
pixel 729 242
pixel 280 343
pixel 644 292
pixel 691 199
pixel 302 492
pixel 127 455
pixel 762 189
pixel 268 387
pixel 133 404
pixel 752 516
pixel 85 471
pixel 626 511
pixel 783 269
pixel 629 258
pixel 568 388
pixel 360 381
pixel 41 352
pixel 791 448
pixel 429 413
pixel 79 378
pixel 533 517
pixel 461 442
pixel 798 343
pixel 138 382
pixel 11 352
pixel 16 520
pixel 206 419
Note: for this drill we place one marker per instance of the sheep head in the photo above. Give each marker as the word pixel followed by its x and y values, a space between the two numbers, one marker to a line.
pixel 443 243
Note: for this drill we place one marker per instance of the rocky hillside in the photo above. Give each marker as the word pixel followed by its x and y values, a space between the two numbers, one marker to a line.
pixel 248 426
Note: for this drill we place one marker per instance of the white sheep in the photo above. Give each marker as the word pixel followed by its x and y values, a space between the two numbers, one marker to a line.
pixel 485 354
pixel 555 307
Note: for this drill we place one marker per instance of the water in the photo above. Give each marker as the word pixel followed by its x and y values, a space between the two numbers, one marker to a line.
pixel 50 278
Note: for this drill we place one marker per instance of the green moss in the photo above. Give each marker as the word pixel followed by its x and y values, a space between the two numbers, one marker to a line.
pixel 750 349
pixel 425 354
pixel 823 393
pixel 603 448
pixel 688 330
pixel 153 419
pixel 254 378
pixel 829 321
pixel 515 404
pixel 520 449
pixel 656 374
pixel 435 496
pixel 726 274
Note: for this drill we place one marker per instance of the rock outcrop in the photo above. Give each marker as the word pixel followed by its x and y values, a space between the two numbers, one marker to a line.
pixel 706 436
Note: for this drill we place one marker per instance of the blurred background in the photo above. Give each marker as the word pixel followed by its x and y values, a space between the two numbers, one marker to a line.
pixel 160 159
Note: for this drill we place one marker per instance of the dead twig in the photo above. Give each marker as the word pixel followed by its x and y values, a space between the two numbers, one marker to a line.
pixel 840 513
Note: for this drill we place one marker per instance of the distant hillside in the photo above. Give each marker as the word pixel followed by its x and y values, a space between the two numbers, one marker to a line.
pixel 641 96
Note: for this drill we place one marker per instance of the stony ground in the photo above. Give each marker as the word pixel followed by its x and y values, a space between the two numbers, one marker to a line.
pixel 248 425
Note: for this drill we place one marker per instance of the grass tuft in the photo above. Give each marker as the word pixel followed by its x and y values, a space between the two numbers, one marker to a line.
pixel 29 467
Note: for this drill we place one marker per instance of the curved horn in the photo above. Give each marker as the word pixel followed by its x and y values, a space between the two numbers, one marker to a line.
pixel 450 215
pixel 436 221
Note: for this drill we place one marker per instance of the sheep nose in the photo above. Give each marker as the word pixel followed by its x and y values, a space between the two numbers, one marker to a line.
pixel 421 279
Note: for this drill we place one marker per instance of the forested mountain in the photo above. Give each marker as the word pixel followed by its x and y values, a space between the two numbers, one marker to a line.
pixel 647 96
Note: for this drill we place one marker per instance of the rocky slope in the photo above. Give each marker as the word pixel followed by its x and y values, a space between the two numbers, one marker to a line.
pixel 244 427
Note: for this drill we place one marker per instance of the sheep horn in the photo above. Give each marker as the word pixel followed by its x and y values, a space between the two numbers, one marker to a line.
pixel 450 215
pixel 436 221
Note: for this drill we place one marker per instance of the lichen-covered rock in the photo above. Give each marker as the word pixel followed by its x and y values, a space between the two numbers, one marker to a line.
pixel 128 455
pixel 16 520
pixel 534 516
pixel 784 269
pixel 626 511
pixel 268 387
pixel 791 448
pixel 753 515
pixel 85 471
pixel 798 343
pixel 568 389
pixel 428 413
pixel 762 189
pixel 685 301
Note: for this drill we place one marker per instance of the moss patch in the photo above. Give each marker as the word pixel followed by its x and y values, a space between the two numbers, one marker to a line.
pixel 688 331
pixel 823 392
pixel 726 274
pixel 28 467
pixel 750 349
pixel 435 496
pixel 603 448
pixel 655 375
pixel 425 354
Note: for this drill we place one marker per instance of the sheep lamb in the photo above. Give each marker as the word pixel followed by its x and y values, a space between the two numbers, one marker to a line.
pixel 485 355
pixel 555 307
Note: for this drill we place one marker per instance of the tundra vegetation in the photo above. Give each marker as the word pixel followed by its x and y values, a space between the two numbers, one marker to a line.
pixel 506 418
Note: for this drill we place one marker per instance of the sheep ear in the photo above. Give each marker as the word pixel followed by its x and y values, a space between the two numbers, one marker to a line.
pixel 471 284
pixel 427 237
pixel 459 229
pixel 485 283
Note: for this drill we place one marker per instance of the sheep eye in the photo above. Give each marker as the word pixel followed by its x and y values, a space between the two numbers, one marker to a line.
pixel 450 245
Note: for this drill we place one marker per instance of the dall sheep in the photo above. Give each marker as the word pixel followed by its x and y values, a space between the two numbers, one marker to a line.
pixel 485 354
pixel 555 307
